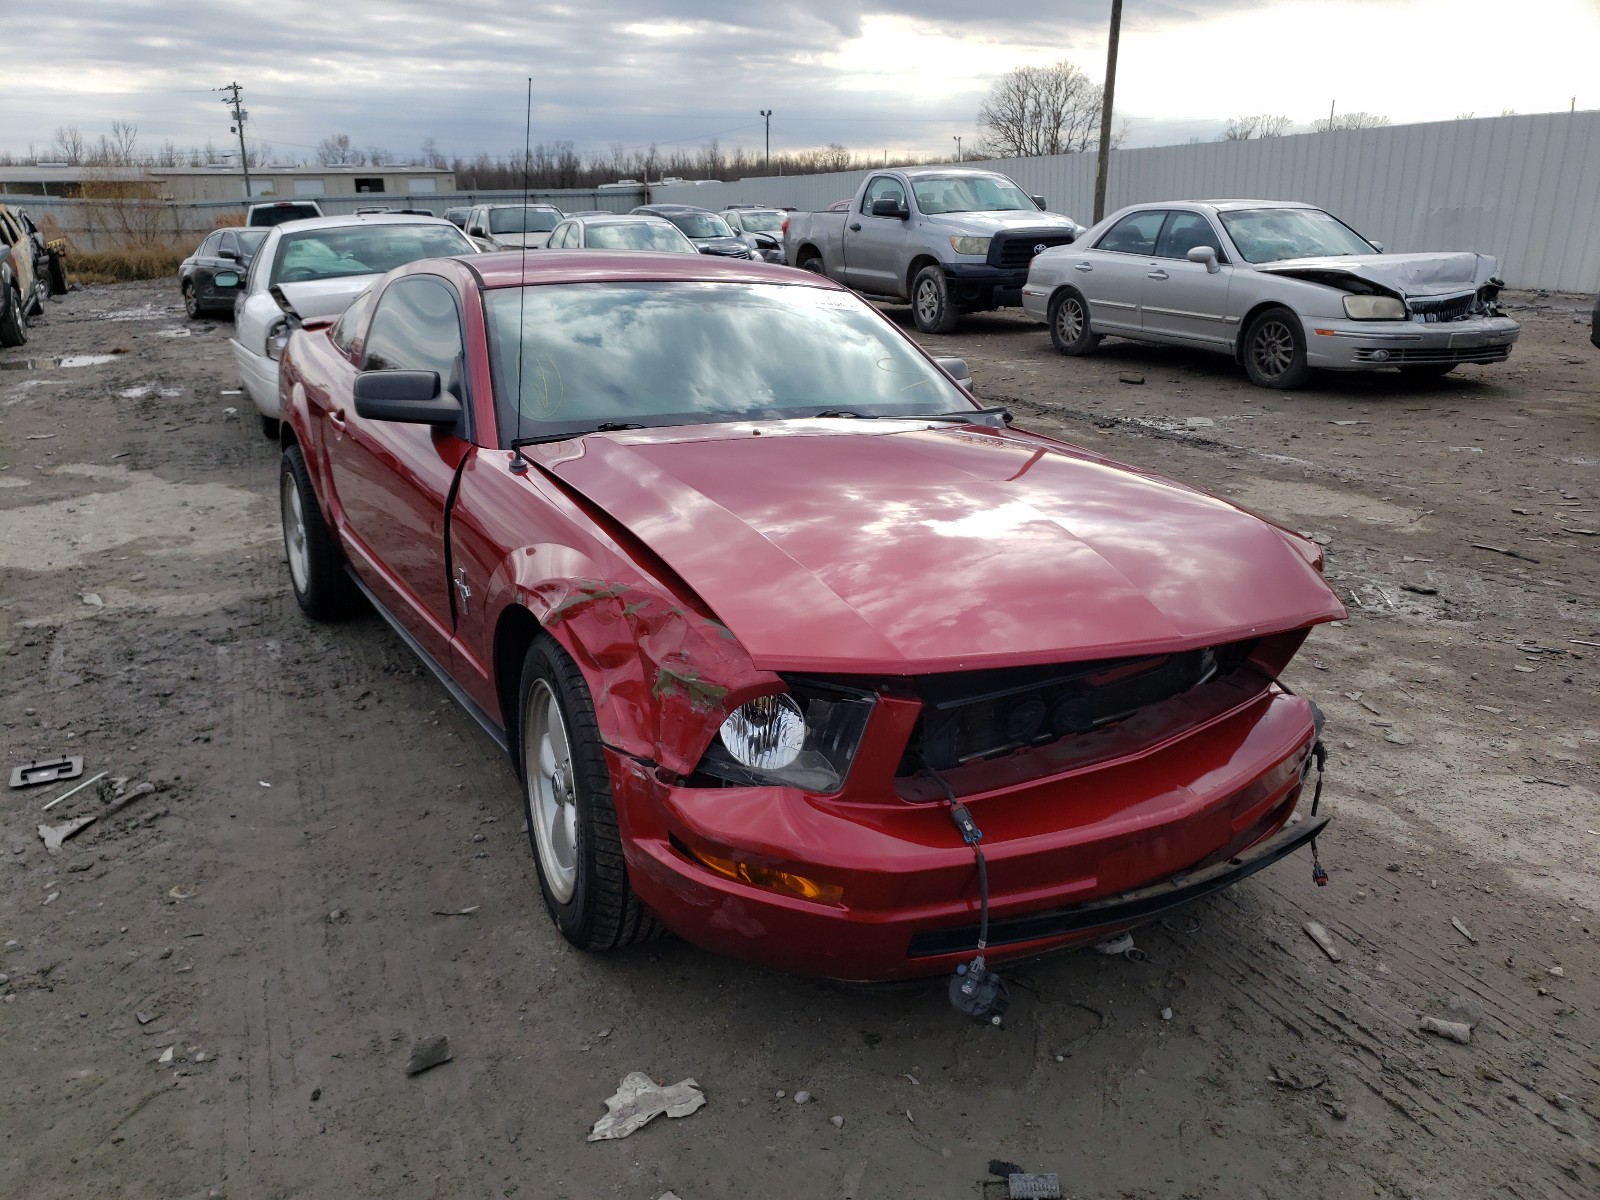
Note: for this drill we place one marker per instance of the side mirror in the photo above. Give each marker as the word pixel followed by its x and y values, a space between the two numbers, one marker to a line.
pixel 1378 246
pixel 477 231
pixel 225 279
pixel 232 255
pixel 1206 255
pixel 410 396
pixel 957 369
pixel 890 208
pixel 1039 200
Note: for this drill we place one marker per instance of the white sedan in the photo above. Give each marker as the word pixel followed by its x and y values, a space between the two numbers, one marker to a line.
pixel 315 267
pixel 1283 288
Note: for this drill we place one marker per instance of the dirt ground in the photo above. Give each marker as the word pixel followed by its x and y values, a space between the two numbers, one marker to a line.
pixel 214 989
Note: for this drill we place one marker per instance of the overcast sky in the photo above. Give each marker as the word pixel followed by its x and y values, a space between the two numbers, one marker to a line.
pixel 878 75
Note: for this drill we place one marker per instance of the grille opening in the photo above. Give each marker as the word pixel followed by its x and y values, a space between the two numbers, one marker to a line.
pixel 977 715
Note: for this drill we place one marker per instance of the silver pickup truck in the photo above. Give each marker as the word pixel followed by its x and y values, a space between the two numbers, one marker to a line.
pixel 948 240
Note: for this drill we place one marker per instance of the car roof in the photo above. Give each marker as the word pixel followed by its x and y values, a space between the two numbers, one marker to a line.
pixel 620 219
pixel 510 267
pixel 354 219
pixel 672 208
pixel 529 204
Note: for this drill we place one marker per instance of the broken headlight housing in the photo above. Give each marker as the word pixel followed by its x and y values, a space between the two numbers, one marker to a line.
pixel 277 338
pixel 1374 308
pixel 805 738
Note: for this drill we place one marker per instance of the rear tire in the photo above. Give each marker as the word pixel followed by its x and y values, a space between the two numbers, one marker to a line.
pixel 1274 350
pixel 1427 370
pixel 191 302
pixel 1070 331
pixel 316 564
pixel 931 305
pixel 812 263
pixel 572 818
pixel 13 329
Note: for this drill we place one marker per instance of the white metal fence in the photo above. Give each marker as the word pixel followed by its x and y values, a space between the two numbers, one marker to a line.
pixel 1523 188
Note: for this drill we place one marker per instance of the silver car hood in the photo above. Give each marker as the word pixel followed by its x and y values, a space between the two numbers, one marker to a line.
pixel 1403 274
pixel 516 241
pixel 994 222
pixel 324 297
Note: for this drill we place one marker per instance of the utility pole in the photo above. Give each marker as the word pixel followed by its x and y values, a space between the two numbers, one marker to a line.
pixel 1331 103
pixel 766 114
pixel 1107 101
pixel 957 136
pixel 239 115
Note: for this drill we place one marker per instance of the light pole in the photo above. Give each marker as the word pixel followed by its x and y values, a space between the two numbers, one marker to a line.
pixel 766 114
pixel 957 136
pixel 1105 113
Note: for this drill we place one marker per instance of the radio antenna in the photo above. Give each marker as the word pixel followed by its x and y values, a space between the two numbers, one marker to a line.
pixel 519 464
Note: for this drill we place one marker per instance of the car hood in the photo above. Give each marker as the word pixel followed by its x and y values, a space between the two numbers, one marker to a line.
pixel 719 245
pixel 515 241
pixel 905 550
pixel 324 297
pixel 1402 274
pixel 994 222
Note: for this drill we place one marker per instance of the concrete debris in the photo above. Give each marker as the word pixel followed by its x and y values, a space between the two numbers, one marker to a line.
pixel 429 1053
pixel 1557 972
pixel 1324 940
pixel 640 1100
pixel 1166 1014
pixel 54 835
pixel 1456 1031
pixel 802 1097
pixel 1463 930
pixel 836 1122
pixel 1130 379
pixel 166 1055
pixel 91 599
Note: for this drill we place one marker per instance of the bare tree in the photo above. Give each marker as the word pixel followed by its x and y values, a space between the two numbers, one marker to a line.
pixel 1354 120
pixel 1040 110
pixel 1260 125
pixel 338 151
pixel 377 156
pixel 69 144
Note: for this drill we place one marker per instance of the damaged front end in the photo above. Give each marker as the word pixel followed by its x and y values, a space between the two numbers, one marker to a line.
pixel 1432 287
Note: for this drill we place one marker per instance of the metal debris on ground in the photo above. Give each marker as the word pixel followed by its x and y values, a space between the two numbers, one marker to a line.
pixel 73 791
pixel 1507 553
pixel 1130 378
pixel 1456 1031
pixel 640 1100
pixel 1026 1185
pixel 1463 930
pixel 429 1053
pixel 46 770
pixel 455 912
pixel 1120 944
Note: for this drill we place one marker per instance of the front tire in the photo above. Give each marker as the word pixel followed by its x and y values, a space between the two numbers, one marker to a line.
pixel 1070 331
pixel 572 818
pixel 813 263
pixel 1274 350
pixel 931 306
pixel 191 302
pixel 316 564
pixel 13 329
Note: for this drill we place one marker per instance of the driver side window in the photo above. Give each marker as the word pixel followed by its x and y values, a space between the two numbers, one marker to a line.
pixel 884 187
pixel 344 331
pixel 416 327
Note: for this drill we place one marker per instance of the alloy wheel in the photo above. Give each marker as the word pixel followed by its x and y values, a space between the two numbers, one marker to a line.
pixel 294 534
pixel 551 789
pixel 1273 349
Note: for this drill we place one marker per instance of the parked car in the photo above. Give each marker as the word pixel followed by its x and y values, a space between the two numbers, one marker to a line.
pixel 619 231
pixel 1284 288
pixel 24 276
pixel 457 216
pixel 946 240
pixel 276 212
pixel 761 228
pixel 709 232
pixel 782 631
pixel 512 226
pixel 314 268
pixel 211 277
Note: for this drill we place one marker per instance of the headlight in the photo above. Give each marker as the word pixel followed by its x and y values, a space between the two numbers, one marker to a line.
pixel 277 339
pixel 969 245
pixel 806 738
pixel 1374 308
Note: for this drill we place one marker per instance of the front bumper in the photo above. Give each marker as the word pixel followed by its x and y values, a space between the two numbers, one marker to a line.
pixel 1072 858
pixel 1344 345
pixel 259 374
pixel 980 286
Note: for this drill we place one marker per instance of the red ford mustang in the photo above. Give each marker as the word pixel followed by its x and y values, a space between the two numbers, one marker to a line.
pixel 798 651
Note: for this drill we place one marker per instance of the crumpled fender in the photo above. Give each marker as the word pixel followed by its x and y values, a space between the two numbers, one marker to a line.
pixel 664 676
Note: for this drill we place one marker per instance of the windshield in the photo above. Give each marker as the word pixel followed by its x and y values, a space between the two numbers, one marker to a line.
pixel 640 236
pixel 672 353
pixel 522 220
pixel 700 225
pixel 362 250
pixel 761 222
pixel 970 193
pixel 1274 234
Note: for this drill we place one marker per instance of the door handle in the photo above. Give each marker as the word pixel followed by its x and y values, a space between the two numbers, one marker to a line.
pixel 1083 267
pixel 1156 274
pixel 336 419
pixel 856 228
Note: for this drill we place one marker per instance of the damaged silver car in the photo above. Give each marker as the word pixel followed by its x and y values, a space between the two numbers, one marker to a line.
pixel 1284 288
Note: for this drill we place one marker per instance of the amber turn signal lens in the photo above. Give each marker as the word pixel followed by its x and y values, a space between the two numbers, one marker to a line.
pixel 772 879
